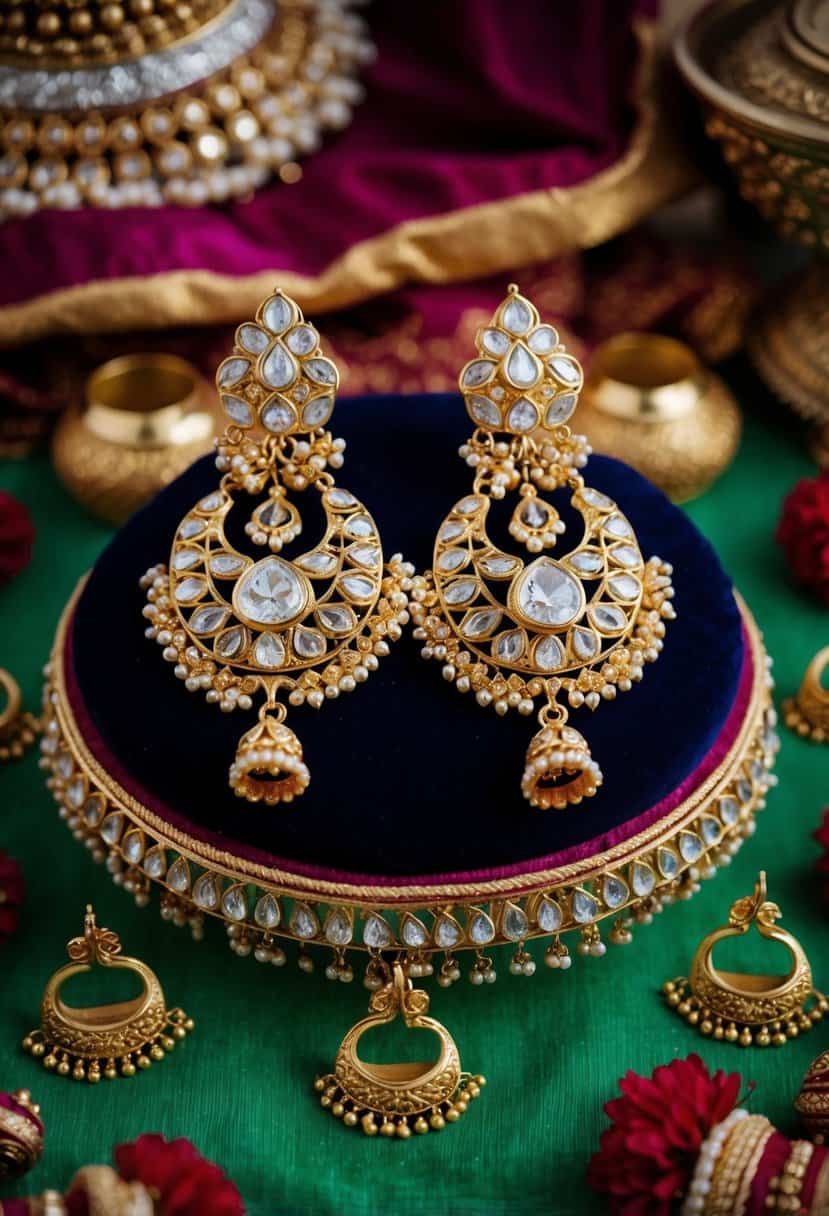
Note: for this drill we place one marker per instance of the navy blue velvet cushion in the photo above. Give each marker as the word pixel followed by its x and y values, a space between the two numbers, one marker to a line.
pixel 408 775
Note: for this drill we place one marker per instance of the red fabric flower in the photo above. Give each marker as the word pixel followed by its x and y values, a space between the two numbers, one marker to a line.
pixel 822 837
pixel 647 1157
pixel 185 1183
pixel 12 891
pixel 17 536
pixel 803 531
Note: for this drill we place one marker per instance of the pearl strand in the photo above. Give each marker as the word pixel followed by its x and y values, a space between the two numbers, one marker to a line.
pixel 709 1153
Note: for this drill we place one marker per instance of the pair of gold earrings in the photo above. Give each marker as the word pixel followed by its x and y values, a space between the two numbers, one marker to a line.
pixel 304 629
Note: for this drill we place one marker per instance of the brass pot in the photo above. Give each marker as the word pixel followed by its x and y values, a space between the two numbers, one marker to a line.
pixel 145 418
pixel 761 71
pixel 648 400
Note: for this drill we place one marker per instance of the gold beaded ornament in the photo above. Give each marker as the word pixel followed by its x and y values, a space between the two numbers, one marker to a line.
pixel 807 714
pixel 581 625
pixel 307 627
pixel 401 1098
pixel 746 1008
pixel 105 1040
pixel 18 727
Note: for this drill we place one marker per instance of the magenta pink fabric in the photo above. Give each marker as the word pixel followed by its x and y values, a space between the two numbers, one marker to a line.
pixel 467 102
pixel 520 872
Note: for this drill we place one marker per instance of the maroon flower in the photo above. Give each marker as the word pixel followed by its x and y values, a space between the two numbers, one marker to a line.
pixel 12 891
pixel 803 531
pixel 647 1157
pixel 182 1181
pixel 822 837
pixel 17 535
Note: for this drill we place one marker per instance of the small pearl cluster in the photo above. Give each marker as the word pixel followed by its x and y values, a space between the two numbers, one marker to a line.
pixel 496 463
pixel 250 462
pixel 709 1154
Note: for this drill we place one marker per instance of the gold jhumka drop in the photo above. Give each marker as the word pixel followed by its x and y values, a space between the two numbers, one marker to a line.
pixel 105 1040
pixel 745 1008
pixel 514 632
pixel 306 627
pixel 402 1098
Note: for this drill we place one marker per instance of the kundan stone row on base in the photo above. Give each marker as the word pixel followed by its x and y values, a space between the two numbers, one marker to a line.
pixel 427 928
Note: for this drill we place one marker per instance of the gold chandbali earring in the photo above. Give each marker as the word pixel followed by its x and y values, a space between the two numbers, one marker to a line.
pixel 311 626
pixel 107 1040
pixel 514 632
pixel 807 714
pixel 748 1008
pixel 398 1099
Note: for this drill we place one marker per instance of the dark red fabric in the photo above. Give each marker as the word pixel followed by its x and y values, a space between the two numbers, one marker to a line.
pixel 467 102
pixel 17 534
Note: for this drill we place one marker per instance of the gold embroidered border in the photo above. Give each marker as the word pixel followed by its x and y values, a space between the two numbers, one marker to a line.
pixel 469 243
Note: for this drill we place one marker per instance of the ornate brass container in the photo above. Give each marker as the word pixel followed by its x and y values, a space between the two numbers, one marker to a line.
pixel 761 71
pixel 648 400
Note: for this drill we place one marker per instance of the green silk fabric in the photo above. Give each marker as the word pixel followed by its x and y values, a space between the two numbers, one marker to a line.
pixel 552 1047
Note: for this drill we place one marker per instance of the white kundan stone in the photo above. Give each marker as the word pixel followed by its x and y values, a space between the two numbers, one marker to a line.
pixel 270 593
pixel 547 595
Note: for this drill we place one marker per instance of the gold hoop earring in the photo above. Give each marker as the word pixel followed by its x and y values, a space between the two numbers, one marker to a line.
pixel 107 1040
pixel 807 714
pixel 513 633
pixel 18 728
pixel 308 627
pixel 747 1008
pixel 398 1099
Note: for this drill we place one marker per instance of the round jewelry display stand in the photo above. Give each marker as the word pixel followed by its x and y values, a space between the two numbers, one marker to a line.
pixel 412 837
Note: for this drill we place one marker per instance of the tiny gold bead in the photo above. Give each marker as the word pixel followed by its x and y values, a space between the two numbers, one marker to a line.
pixel 452 1115
pixel 368 1125
pixel 325 1101
pixel 403 1130
pixel 350 1118
pixel 437 1123
pixel 319 1085
pixel 144 1061
pixel 421 1126
pixel 337 1110
pixel 387 1128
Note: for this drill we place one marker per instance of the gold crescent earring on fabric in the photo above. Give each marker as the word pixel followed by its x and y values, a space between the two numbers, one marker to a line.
pixel 747 1008
pixel 307 627
pixel 516 632
pixel 18 728
pixel 107 1040
pixel 807 714
pixel 398 1099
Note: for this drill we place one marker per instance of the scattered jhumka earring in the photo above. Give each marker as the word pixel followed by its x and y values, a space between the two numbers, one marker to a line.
pixel 398 1099
pixel 510 631
pixel 807 714
pixel 748 1008
pixel 18 728
pixel 107 1040
pixel 309 627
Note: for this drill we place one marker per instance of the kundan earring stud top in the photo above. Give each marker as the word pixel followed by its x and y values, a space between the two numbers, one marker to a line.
pixel 516 632
pixel 302 628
